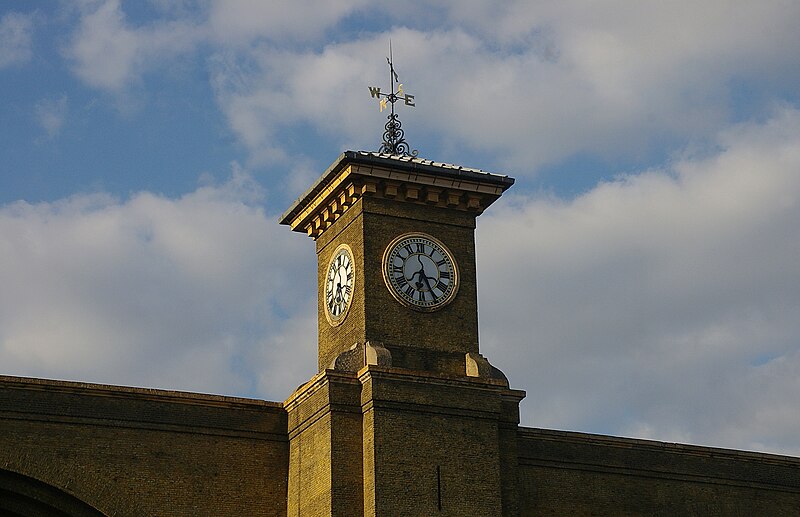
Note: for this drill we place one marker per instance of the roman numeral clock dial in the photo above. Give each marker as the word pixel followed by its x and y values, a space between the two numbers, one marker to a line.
pixel 420 272
pixel 339 282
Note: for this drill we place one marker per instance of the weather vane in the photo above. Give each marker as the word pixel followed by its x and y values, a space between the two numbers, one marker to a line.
pixel 394 141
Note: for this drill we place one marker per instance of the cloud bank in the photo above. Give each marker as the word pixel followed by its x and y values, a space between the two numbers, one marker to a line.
pixel 662 305
pixel 529 85
pixel 190 293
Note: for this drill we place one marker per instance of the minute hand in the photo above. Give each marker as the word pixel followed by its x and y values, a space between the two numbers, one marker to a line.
pixel 424 277
pixel 427 283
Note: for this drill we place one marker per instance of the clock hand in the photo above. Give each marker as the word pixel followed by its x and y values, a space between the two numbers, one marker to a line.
pixel 428 283
pixel 423 277
pixel 340 273
pixel 421 274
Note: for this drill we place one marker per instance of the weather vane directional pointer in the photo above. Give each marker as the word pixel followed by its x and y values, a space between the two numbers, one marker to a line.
pixel 394 141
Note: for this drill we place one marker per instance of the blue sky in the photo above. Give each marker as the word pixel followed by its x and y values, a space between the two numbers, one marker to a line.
pixel 640 279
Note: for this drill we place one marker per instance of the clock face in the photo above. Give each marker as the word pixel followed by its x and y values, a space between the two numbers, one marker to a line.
pixel 420 272
pixel 339 282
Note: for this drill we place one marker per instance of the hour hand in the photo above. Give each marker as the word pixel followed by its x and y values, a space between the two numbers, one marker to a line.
pixel 427 282
pixel 421 275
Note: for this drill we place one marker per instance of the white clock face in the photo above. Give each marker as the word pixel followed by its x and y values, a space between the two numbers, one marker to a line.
pixel 420 272
pixel 339 282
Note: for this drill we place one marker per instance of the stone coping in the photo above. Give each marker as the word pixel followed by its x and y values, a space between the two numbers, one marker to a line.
pixel 653 445
pixel 153 394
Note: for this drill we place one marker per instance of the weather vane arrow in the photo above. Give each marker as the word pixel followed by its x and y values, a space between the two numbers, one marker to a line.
pixel 393 137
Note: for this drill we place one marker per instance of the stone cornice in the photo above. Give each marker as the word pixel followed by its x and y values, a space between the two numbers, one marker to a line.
pixel 411 180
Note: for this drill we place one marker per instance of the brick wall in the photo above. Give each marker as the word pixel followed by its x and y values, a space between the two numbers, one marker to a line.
pixel 453 328
pixel 131 451
pixel 431 341
pixel 563 473
pixel 433 445
pixel 325 475
pixel 378 442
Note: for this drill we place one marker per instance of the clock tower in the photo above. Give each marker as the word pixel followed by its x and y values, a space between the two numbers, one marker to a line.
pixel 405 416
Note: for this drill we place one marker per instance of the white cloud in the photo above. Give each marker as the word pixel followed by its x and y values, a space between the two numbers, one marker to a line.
pixel 265 92
pixel 664 305
pixel 51 113
pixel 179 294
pixel 541 82
pixel 110 54
pixel 15 38
pixel 107 53
pixel 242 21
pixel 530 83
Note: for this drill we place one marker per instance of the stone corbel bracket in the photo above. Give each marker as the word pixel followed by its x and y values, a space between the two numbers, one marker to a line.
pixel 478 366
pixel 360 355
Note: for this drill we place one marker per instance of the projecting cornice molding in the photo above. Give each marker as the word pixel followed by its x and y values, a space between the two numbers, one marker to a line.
pixel 357 174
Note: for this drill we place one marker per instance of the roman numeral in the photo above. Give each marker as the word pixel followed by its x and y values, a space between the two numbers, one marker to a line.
pixel 441 263
pixel 421 295
pixel 441 286
pixel 444 274
pixel 409 249
pixel 420 247
pixel 401 281
pixel 410 291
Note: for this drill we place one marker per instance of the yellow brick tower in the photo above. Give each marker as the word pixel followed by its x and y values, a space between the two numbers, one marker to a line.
pixel 405 417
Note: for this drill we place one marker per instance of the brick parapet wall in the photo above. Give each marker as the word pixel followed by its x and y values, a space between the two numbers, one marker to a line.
pixel 585 474
pixel 141 408
pixel 136 451
pixel 657 459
